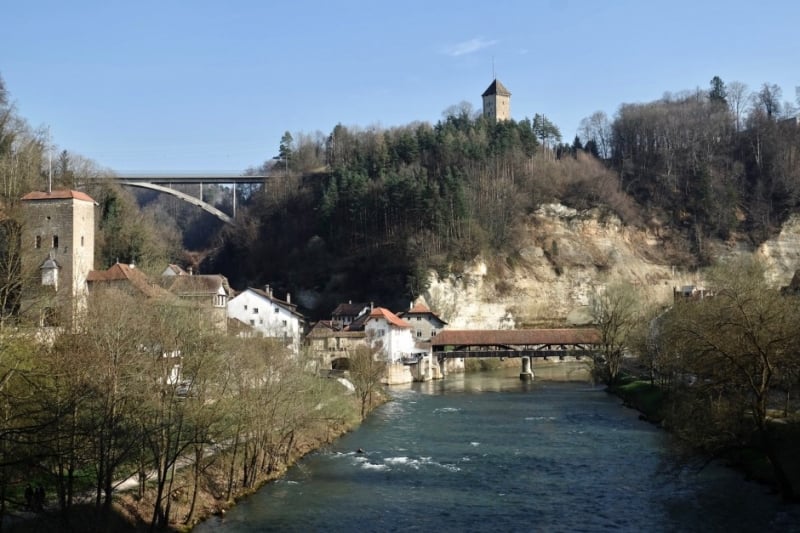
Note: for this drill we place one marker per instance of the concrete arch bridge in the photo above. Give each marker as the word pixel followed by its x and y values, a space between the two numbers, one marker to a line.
pixel 163 183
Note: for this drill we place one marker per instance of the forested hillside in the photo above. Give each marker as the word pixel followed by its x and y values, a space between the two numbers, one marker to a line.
pixel 363 214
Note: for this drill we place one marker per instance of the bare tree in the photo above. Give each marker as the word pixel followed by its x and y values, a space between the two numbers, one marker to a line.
pixel 597 128
pixel 618 313
pixel 732 349
pixel 738 101
pixel 366 373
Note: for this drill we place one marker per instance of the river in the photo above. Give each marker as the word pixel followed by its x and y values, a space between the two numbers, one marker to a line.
pixel 488 452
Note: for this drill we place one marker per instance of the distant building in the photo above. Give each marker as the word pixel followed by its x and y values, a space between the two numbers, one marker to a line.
pixel 268 316
pixel 331 346
pixel 496 102
pixel 209 292
pixel 345 314
pixel 424 322
pixel 391 334
pixel 125 278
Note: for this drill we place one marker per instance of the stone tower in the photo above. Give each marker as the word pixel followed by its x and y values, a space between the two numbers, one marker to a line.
pixel 57 245
pixel 496 102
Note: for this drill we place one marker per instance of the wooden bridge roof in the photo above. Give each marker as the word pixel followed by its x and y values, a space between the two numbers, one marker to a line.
pixel 515 337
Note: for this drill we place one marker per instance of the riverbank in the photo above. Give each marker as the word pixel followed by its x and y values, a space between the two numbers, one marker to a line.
pixel 650 401
pixel 132 513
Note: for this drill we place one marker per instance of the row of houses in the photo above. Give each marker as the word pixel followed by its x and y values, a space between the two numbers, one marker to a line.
pixel 58 241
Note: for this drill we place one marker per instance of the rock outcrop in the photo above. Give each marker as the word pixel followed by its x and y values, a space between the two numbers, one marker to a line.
pixel 567 255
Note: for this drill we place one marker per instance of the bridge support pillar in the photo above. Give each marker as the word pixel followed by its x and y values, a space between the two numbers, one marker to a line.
pixel 443 366
pixel 526 373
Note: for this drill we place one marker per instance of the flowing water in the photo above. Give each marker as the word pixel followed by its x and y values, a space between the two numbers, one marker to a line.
pixel 487 452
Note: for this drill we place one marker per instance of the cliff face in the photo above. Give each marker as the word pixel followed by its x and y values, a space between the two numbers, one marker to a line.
pixel 566 255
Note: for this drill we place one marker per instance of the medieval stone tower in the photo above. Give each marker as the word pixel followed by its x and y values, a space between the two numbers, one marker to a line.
pixel 497 102
pixel 57 245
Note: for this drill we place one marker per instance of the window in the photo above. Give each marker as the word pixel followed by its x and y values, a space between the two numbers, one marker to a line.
pixel 252 322
pixel 284 323
pixel 55 241
pixel 255 310
pixel 433 333
pixel 245 307
pixel 81 240
pixel 381 332
pixel 419 333
pixel 276 309
pixel 38 242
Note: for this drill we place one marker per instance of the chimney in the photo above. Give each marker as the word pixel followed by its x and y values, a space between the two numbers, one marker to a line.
pixel 133 264
pixel 410 306
pixel 288 298
pixel 191 271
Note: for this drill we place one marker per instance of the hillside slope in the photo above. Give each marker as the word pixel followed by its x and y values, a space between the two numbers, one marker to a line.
pixel 566 255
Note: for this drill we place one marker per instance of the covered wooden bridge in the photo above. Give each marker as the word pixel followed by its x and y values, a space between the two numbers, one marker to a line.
pixel 523 343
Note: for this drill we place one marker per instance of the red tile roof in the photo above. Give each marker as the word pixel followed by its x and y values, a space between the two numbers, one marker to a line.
pixel 391 318
pixel 58 195
pixel 121 272
pixel 420 308
pixel 518 337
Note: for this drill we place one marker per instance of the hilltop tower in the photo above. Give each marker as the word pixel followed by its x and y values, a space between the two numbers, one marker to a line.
pixel 57 249
pixel 496 102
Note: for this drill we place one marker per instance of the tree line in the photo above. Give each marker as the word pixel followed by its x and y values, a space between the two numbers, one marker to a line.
pixel 725 365
pixel 151 390
pixel 379 208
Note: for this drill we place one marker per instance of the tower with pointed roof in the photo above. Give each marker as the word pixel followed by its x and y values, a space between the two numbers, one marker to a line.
pixel 496 102
pixel 57 244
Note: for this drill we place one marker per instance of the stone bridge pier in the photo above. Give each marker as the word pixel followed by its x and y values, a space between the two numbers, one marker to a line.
pixel 526 372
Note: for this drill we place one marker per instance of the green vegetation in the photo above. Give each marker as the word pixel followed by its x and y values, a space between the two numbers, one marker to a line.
pixel 149 389
pixel 642 396
pixel 728 367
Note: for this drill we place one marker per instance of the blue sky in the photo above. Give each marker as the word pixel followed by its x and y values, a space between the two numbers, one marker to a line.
pixel 169 86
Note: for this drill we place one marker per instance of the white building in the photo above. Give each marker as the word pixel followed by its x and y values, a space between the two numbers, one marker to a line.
pixel 393 334
pixel 268 316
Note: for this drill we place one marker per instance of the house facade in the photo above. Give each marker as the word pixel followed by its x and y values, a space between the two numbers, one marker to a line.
pixel 332 347
pixel 268 316
pixel 391 334
pixel 425 324
pixel 209 292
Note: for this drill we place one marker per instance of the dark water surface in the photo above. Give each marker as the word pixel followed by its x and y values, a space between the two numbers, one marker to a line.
pixel 487 452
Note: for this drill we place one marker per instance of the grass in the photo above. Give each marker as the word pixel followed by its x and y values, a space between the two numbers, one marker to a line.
pixel 643 396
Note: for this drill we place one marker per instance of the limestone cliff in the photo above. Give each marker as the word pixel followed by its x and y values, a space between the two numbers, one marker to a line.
pixel 565 256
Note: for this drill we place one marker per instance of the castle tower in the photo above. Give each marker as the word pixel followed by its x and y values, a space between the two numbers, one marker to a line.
pixel 57 249
pixel 497 102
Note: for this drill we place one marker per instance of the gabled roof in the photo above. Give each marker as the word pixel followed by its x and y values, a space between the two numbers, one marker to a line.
pixel 419 308
pixel 349 309
pixel 518 337
pixel 174 270
pixel 122 273
pixel 325 329
pixel 496 88
pixel 203 284
pixel 391 318
pixel 58 195
pixel 292 308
